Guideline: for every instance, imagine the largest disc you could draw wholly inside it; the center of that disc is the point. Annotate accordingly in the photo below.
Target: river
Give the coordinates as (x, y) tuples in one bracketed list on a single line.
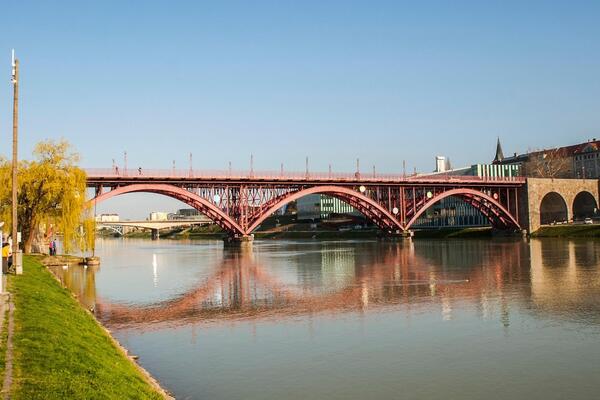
[(421, 319)]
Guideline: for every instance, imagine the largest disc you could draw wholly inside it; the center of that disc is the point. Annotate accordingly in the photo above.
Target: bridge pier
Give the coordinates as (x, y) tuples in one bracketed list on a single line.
[(155, 234), (398, 235), (244, 240)]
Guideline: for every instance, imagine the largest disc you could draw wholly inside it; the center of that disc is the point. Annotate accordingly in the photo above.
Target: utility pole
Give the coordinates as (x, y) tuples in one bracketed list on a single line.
[(15, 82)]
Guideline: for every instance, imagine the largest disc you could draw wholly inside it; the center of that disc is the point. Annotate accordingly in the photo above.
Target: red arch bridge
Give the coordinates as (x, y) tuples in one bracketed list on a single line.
[(240, 201)]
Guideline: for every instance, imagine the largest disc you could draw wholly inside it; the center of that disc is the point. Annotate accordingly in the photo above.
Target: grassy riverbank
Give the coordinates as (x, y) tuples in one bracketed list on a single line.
[(60, 351), (303, 231), (568, 231), (457, 233)]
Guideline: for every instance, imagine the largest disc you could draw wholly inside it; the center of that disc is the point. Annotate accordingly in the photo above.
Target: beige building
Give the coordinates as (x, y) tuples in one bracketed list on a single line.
[(576, 161)]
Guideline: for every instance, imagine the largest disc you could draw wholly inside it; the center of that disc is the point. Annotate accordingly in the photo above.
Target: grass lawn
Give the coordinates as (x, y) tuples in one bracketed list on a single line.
[(60, 351), (570, 231)]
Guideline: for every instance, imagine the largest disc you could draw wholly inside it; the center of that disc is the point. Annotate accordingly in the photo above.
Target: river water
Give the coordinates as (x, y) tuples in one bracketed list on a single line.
[(421, 319)]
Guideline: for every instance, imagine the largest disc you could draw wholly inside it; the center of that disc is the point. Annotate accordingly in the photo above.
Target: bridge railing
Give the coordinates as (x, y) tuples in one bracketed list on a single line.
[(143, 174)]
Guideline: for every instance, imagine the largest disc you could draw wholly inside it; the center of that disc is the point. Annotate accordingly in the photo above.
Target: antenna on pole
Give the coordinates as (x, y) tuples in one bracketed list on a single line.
[(191, 168), (14, 67)]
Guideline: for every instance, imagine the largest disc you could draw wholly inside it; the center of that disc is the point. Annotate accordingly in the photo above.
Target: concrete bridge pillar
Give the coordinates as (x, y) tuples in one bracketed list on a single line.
[(155, 234), (239, 240)]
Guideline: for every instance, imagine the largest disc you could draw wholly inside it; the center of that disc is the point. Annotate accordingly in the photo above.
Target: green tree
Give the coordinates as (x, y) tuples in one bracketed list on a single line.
[(51, 195)]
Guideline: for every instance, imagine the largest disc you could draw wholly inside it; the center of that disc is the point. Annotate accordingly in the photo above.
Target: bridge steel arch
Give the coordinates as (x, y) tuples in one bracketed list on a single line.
[(209, 209), (497, 214), (366, 205)]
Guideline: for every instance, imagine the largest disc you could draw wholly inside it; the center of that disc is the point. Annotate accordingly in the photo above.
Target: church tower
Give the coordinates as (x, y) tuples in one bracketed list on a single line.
[(499, 154)]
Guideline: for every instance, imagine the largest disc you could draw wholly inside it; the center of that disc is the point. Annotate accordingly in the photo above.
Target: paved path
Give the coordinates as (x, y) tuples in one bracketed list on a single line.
[(7, 305)]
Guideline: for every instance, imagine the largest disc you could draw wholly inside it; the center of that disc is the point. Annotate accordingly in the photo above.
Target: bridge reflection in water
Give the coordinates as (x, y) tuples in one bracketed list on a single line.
[(339, 277)]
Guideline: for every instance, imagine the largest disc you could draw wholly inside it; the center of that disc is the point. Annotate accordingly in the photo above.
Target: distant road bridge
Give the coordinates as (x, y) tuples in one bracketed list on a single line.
[(155, 226), (240, 201)]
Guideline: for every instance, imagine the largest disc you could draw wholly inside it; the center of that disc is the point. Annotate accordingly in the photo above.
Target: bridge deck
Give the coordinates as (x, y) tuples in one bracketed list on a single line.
[(112, 176)]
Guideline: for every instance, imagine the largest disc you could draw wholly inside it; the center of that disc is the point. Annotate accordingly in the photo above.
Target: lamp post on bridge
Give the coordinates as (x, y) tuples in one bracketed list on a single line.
[(307, 174)]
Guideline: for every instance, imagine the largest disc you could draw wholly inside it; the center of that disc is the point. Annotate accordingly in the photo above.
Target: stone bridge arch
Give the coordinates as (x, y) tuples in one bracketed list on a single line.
[(553, 208), (584, 206), (570, 190)]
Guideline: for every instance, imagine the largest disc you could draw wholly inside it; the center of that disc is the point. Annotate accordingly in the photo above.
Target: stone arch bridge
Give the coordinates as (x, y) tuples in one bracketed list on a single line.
[(549, 201)]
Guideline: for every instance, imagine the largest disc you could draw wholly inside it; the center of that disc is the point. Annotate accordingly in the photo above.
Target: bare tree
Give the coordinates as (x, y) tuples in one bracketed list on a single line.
[(548, 164)]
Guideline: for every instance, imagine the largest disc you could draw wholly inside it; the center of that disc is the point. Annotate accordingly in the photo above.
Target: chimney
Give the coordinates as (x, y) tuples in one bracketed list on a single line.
[(440, 164)]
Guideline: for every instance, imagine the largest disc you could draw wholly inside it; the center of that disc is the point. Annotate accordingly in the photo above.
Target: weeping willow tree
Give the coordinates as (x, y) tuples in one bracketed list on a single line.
[(51, 197)]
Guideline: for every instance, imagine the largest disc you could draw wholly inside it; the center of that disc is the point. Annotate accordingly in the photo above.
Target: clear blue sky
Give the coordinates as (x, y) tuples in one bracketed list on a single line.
[(332, 80)]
